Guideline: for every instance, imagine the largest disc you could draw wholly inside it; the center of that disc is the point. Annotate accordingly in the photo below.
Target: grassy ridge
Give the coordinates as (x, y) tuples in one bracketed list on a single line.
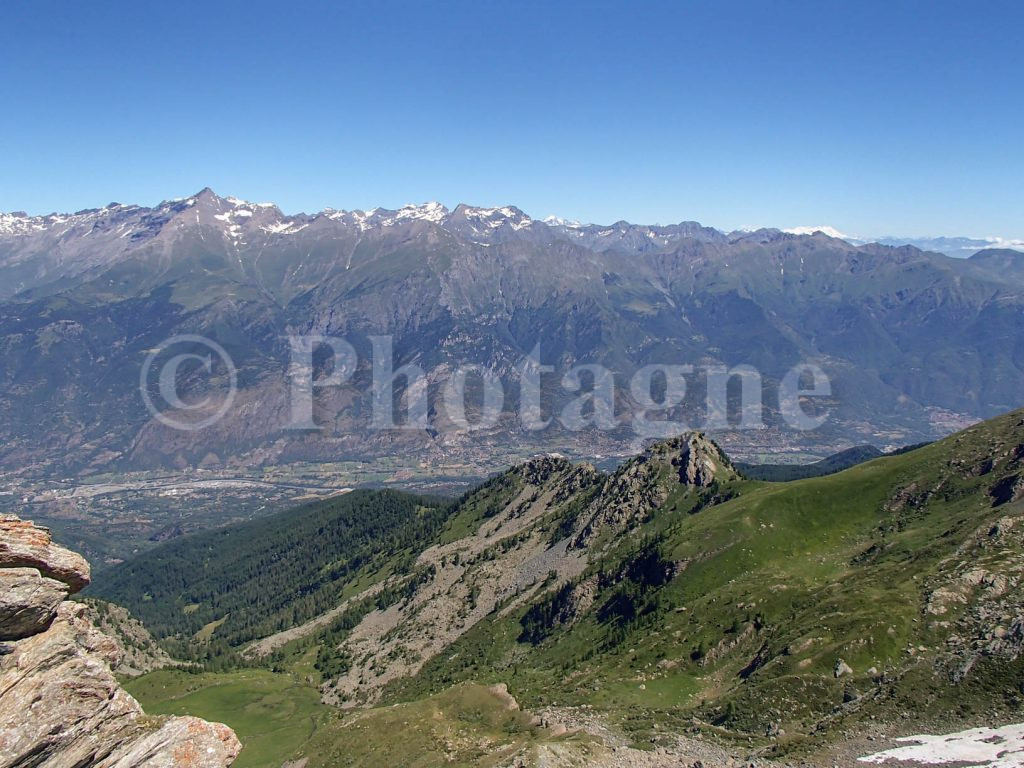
[(771, 590)]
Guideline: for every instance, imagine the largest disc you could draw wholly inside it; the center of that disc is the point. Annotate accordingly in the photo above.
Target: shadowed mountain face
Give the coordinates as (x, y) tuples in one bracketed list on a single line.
[(913, 342)]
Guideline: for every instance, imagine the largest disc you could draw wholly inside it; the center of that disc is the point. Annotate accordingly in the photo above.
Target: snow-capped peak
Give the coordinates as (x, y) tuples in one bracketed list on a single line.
[(20, 224), (483, 219), (432, 211), (824, 229), (558, 221)]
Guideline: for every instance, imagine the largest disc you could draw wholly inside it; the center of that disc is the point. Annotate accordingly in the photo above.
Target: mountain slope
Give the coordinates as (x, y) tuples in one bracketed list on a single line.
[(675, 592), (888, 582), (88, 296), (249, 580)]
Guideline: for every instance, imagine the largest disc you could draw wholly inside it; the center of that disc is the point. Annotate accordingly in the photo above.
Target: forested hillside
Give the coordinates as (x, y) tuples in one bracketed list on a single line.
[(784, 473), (249, 580)]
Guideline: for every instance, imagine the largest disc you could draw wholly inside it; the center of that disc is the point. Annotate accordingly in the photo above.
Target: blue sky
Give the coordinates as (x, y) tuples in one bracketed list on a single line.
[(878, 118)]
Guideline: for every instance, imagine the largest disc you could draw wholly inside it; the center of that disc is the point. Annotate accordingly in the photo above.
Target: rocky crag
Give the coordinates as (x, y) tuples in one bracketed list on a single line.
[(536, 528), (60, 704)]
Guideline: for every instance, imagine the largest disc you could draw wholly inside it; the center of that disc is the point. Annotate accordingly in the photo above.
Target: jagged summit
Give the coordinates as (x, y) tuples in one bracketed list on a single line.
[(699, 460), (691, 459), (488, 220)]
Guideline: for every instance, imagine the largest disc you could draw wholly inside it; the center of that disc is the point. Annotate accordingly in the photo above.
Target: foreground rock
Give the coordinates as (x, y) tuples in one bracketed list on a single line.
[(25, 544), (60, 705), (28, 602)]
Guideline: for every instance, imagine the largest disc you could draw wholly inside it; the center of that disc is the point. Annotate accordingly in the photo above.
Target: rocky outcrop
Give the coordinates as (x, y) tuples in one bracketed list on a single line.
[(699, 460), (692, 460), (60, 704), (28, 602), (25, 544), (1008, 489)]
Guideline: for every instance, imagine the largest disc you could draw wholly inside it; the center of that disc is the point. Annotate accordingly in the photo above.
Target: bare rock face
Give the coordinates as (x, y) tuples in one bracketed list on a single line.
[(60, 705), (182, 741), (25, 544), (692, 460), (699, 461), (28, 602)]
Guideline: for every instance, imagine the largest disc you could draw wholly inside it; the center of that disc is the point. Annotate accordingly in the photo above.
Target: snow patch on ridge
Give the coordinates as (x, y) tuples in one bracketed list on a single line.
[(982, 747), (284, 228), (433, 212), (824, 229), (558, 221), (22, 224)]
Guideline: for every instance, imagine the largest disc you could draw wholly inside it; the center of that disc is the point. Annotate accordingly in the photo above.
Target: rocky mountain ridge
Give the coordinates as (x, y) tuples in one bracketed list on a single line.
[(85, 298), (60, 704), (132, 221), (541, 525)]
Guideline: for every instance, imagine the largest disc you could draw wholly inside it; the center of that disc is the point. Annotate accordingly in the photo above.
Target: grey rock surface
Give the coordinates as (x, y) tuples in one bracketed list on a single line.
[(25, 544), (28, 602), (60, 704)]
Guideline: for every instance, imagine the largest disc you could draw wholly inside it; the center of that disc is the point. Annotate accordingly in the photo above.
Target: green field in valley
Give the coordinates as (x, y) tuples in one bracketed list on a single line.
[(273, 714)]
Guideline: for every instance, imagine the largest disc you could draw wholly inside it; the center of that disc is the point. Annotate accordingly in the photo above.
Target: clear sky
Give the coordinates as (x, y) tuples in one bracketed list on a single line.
[(877, 118)]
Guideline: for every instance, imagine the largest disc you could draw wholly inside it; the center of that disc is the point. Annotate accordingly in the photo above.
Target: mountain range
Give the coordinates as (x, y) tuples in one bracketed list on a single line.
[(915, 343)]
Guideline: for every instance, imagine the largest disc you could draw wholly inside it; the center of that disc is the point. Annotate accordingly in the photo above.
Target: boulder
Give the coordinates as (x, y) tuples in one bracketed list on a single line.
[(24, 544)]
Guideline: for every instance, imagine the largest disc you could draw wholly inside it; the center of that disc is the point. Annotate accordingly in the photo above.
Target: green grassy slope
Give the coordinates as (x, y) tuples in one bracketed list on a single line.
[(773, 612), (274, 715), (280, 718), (769, 592)]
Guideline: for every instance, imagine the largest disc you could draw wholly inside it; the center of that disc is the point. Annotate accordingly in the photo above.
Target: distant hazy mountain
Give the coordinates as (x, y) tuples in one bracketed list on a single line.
[(957, 247), (915, 343)]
